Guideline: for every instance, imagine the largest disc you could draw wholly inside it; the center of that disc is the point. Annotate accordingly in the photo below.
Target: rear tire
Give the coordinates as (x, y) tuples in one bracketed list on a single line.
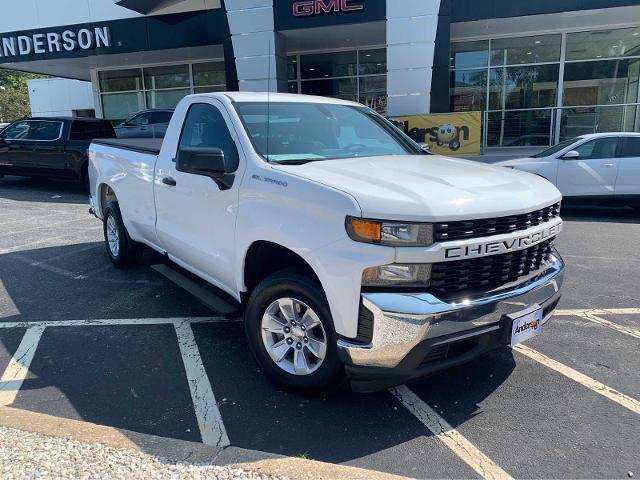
[(296, 345), (123, 252)]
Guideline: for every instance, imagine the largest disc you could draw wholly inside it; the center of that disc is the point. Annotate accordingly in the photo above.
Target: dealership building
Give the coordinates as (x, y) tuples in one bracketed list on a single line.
[(539, 71)]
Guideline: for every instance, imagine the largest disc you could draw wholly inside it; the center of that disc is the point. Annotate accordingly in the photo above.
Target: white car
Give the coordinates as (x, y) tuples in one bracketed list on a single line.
[(348, 248), (602, 166)]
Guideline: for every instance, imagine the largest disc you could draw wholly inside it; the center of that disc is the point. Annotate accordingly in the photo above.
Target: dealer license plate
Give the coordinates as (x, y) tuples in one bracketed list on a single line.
[(526, 327)]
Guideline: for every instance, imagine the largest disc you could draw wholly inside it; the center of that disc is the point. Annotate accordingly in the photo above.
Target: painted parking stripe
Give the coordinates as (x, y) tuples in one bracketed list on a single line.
[(609, 324), (593, 385), (117, 322), (18, 367), (598, 311), (209, 418), (453, 439)]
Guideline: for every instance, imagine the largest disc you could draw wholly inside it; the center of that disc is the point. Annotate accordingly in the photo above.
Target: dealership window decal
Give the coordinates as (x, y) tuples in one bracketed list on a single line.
[(308, 8), (54, 42)]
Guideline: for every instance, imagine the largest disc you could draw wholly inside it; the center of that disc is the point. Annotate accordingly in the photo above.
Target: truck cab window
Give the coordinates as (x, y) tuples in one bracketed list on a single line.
[(205, 127)]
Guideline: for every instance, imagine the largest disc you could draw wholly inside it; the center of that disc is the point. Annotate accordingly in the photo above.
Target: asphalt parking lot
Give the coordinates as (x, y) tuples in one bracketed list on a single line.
[(80, 339)]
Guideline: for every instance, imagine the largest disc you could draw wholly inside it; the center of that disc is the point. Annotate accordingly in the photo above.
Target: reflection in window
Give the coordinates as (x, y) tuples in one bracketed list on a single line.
[(120, 106), (469, 54), (344, 88), (526, 87), (468, 90), (624, 42), (600, 148), (170, 76), (601, 83), (209, 74), (576, 121), (519, 128), (372, 62), (166, 98), (514, 51), (336, 64), (120, 80)]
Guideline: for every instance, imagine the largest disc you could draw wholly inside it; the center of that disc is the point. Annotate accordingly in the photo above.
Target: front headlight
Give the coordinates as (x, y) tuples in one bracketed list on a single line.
[(393, 234), (398, 275)]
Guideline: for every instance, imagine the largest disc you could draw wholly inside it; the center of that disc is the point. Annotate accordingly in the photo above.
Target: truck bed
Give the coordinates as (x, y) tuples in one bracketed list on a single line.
[(142, 145)]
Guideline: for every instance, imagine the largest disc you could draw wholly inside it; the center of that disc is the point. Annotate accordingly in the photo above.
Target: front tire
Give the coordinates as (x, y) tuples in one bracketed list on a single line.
[(123, 252), (290, 332)]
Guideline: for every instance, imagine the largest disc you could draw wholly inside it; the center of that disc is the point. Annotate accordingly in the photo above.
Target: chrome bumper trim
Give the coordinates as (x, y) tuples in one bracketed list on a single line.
[(403, 320)]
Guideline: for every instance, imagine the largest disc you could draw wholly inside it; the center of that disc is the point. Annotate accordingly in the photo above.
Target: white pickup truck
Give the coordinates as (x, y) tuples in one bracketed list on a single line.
[(349, 249)]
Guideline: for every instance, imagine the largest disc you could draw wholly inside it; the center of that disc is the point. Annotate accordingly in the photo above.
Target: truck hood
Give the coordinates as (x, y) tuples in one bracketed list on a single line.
[(430, 188)]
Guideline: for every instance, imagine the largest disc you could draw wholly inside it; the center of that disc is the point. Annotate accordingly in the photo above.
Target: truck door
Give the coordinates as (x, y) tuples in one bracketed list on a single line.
[(12, 145), (47, 146), (195, 217)]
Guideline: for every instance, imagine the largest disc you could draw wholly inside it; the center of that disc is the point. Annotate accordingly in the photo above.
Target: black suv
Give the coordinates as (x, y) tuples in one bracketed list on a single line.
[(50, 147)]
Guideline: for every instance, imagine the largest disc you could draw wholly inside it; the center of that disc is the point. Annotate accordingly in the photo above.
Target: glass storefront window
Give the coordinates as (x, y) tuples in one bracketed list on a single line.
[(514, 51), (575, 121), (120, 106), (120, 80), (166, 98), (212, 88), (373, 92), (344, 88), (357, 75), (372, 62), (335, 64), (520, 128), (169, 76), (468, 90), (623, 42), (209, 73), (469, 54), (525, 87), (292, 68), (601, 83)]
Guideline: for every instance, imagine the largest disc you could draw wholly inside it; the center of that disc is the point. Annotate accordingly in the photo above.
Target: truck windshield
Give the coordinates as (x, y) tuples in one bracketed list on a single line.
[(307, 132)]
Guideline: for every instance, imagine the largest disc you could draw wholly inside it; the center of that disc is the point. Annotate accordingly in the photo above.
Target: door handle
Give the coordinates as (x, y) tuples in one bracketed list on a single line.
[(607, 164), (169, 181)]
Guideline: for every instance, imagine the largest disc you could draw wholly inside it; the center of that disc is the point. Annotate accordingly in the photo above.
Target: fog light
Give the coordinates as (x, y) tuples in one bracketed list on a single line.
[(398, 275)]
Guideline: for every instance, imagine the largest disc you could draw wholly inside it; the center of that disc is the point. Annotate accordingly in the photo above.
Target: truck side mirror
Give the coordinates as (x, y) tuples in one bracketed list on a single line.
[(571, 155), (208, 162)]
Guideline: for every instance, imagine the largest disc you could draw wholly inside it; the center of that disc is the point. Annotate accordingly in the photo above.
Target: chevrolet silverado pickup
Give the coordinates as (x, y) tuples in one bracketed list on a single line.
[(350, 250)]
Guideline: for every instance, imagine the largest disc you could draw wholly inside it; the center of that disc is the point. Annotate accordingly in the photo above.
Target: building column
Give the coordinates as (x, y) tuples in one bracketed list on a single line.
[(260, 53), (412, 26)]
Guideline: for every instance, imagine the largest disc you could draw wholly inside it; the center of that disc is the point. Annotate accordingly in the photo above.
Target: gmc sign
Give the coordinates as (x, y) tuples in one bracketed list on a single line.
[(308, 8)]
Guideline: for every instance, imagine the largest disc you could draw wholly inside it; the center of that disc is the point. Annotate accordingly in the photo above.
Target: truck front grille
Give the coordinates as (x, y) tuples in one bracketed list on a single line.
[(447, 231), (482, 274)]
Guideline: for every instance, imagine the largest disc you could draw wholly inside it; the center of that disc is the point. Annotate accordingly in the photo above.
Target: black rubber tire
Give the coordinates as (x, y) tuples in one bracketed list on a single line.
[(130, 252), (293, 283)]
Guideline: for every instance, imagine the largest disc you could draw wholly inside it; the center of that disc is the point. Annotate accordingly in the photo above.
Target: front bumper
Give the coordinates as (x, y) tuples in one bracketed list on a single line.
[(415, 335)]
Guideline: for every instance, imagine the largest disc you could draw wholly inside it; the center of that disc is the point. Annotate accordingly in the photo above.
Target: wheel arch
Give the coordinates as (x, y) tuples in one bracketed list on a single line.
[(263, 258), (106, 194)]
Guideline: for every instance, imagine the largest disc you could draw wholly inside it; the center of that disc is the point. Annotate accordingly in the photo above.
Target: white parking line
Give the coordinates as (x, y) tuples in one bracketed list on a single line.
[(209, 418), (609, 324), (598, 311), (9, 233), (117, 322), (593, 385), (18, 367), (44, 242), (462, 447)]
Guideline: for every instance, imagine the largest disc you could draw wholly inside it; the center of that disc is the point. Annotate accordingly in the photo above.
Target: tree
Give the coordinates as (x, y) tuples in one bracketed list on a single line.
[(14, 95)]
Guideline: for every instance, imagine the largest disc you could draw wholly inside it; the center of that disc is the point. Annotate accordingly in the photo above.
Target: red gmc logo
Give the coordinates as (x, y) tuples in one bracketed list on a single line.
[(308, 8)]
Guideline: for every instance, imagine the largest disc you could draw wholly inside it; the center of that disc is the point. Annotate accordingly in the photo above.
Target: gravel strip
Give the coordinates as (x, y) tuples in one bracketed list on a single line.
[(35, 456)]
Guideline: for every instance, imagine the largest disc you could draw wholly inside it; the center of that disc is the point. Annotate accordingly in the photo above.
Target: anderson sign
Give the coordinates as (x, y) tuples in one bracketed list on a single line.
[(53, 42)]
